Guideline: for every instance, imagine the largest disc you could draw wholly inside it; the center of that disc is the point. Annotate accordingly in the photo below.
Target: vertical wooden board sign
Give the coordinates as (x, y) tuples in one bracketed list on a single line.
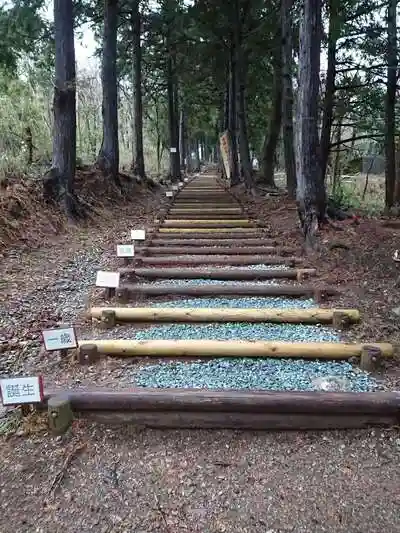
[(224, 144)]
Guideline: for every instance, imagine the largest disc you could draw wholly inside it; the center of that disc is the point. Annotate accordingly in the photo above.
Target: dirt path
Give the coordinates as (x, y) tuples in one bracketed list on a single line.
[(132, 480)]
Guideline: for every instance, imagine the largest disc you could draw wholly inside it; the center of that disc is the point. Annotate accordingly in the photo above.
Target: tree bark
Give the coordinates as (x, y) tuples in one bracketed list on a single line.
[(173, 121), (59, 182), (327, 114), (267, 165), (244, 150), (287, 96), (108, 158), (232, 123), (182, 139), (390, 119), (138, 162), (311, 198)]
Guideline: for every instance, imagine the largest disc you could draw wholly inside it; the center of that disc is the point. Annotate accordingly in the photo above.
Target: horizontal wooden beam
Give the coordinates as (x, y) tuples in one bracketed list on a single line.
[(244, 231), (240, 223), (220, 259), (210, 233), (238, 274), (217, 250), (167, 314), (237, 242), (232, 401), (238, 420), (126, 290), (215, 348)]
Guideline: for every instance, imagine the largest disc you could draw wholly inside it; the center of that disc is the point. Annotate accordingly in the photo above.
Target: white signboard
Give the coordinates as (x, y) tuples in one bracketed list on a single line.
[(185, 180), (59, 339), (180, 184), (172, 150), (169, 194), (15, 391), (175, 187), (138, 234), (109, 280), (125, 250)]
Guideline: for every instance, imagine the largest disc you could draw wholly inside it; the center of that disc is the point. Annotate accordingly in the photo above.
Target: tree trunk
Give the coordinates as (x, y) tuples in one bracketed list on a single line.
[(232, 123), (173, 123), (244, 149), (59, 182), (182, 139), (287, 97), (311, 196), (327, 116), (138, 162), (267, 164), (390, 145), (108, 158)]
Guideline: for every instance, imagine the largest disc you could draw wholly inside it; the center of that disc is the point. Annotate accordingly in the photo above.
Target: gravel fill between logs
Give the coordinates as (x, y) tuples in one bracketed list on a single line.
[(240, 303), (267, 374), (229, 331)]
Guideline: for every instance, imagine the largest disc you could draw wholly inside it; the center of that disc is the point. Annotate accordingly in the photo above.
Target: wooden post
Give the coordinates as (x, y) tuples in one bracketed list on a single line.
[(340, 320), (60, 414), (108, 319), (88, 354), (371, 358), (109, 293)]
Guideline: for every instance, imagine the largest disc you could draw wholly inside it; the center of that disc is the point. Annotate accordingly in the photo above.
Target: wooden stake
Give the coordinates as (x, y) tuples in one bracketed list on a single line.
[(60, 414)]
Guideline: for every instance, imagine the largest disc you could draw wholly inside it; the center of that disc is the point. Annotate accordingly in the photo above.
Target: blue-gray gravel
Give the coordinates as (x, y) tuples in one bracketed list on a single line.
[(238, 331), (265, 374), (240, 303)]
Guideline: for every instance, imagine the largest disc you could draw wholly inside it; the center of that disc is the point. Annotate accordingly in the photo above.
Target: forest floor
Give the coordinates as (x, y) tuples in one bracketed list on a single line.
[(123, 479)]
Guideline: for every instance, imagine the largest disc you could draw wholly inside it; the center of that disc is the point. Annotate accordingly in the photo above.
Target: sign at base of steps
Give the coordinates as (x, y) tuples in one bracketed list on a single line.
[(17, 391), (138, 234), (175, 187), (169, 194), (59, 339), (108, 280), (125, 250)]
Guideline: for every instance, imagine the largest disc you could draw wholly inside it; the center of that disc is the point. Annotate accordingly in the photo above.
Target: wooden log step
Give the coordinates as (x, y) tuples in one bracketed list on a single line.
[(220, 230), (239, 421), (198, 211), (166, 314), (231, 401), (194, 233), (130, 290), (239, 242), (239, 274), (215, 250), (195, 224), (242, 348), (221, 259), (203, 216)]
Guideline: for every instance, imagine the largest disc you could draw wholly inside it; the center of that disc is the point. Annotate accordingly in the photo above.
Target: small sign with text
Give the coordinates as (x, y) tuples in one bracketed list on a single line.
[(175, 187), (172, 150), (125, 250), (16, 391), (59, 339), (180, 184), (169, 194), (108, 280), (138, 234), (185, 180)]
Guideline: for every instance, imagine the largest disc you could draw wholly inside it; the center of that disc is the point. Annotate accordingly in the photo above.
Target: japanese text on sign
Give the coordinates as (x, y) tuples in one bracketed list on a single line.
[(125, 250), (59, 339), (172, 150), (108, 280), (138, 234), (169, 194), (175, 187), (15, 391)]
